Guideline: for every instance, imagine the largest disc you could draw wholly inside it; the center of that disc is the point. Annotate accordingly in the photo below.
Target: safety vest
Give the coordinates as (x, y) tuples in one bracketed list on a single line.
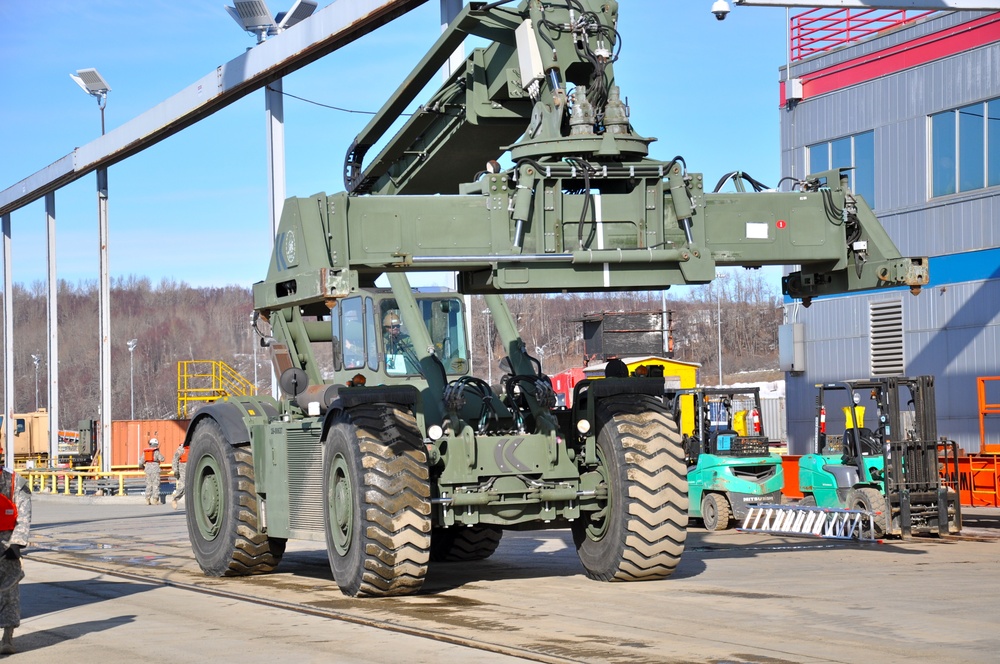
[(184, 455), (149, 455), (8, 508)]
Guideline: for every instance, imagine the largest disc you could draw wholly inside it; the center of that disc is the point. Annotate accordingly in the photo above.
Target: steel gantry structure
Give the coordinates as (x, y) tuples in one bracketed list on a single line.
[(326, 31)]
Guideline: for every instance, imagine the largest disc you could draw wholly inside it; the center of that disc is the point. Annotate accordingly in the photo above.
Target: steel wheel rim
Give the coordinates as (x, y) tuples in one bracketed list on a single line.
[(209, 498), (598, 526), (340, 505)]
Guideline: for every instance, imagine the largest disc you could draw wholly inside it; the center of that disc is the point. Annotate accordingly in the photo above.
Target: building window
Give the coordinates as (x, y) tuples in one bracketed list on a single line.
[(857, 152), (886, 328), (965, 148)]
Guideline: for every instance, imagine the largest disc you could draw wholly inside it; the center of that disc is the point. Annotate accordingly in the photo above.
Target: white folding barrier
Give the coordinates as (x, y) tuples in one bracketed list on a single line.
[(825, 522)]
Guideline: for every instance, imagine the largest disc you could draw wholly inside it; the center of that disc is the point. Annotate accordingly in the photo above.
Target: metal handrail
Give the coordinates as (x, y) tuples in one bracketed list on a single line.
[(215, 379), (820, 30)]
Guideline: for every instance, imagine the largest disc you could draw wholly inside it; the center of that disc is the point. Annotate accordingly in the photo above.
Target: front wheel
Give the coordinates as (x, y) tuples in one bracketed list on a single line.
[(377, 502), (715, 512), (872, 501), (640, 529), (222, 514)]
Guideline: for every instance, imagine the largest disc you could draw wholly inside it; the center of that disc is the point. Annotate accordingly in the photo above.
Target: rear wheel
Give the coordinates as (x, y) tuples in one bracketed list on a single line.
[(222, 516), (871, 500), (640, 529), (715, 512), (377, 502)]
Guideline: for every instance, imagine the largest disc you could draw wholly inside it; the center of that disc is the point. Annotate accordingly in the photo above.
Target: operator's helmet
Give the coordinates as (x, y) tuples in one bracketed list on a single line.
[(391, 319), (154, 442)]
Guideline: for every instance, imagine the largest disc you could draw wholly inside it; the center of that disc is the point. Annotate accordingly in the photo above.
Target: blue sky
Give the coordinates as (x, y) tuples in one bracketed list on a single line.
[(194, 207)]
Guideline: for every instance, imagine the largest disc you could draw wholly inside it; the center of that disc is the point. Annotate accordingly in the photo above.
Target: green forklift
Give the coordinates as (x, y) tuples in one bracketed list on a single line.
[(899, 472), (730, 465)]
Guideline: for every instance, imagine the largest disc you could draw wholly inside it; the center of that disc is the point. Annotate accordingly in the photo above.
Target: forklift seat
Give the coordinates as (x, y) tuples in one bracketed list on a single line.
[(846, 476), (867, 441)]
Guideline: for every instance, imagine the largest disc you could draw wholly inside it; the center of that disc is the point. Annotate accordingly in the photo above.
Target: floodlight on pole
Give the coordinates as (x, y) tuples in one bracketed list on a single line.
[(254, 16), (94, 85), (37, 359)]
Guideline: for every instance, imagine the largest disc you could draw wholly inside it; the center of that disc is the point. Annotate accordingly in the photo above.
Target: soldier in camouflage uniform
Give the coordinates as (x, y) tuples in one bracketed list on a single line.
[(179, 465), (151, 460), (14, 525)]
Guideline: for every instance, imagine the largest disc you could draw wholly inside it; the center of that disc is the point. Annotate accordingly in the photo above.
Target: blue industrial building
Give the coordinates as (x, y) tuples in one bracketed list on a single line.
[(911, 101)]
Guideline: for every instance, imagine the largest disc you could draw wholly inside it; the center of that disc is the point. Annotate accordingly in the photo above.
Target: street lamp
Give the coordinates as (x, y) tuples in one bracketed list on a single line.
[(131, 377), (94, 85), (254, 17), (37, 360)]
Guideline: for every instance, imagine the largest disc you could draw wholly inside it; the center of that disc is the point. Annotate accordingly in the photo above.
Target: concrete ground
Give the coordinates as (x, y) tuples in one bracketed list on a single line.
[(736, 597)]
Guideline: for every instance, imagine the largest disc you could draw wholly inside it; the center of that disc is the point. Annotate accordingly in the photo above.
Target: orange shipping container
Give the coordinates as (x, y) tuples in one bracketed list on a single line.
[(129, 438)]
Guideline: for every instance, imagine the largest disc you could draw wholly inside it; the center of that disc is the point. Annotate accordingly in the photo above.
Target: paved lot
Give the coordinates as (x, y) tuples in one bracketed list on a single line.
[(735, 598)]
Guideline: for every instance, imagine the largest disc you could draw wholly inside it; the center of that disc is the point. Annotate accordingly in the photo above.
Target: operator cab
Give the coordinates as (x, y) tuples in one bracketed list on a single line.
[(369, 334)]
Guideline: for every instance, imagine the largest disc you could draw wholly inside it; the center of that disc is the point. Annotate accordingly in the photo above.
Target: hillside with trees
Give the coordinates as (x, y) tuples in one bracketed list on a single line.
[(172, 322)]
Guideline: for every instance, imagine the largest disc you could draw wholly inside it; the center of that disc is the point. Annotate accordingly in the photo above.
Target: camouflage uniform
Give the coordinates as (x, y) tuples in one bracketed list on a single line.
[(152, 468), (178, 466), (11, 542)]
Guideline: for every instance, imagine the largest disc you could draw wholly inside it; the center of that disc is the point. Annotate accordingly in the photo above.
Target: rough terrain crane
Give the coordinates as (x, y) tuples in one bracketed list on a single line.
[(390, 451)]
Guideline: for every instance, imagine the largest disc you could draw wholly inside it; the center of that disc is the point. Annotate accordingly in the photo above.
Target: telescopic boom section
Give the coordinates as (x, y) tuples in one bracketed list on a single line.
[(582, 207)]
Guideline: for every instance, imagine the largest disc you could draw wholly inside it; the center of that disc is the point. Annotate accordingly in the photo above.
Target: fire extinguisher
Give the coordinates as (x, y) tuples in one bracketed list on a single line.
[(755, 421), (822, 419)]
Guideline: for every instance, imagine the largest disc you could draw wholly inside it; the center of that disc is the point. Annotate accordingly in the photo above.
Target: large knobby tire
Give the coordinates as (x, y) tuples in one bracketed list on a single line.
[(377, 502), (715, 512), (464, 543), (222, 514), (871, 500), (640, 531)]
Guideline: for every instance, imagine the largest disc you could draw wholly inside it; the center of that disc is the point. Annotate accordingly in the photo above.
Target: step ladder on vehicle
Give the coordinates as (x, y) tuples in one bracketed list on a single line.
[(811, 521)]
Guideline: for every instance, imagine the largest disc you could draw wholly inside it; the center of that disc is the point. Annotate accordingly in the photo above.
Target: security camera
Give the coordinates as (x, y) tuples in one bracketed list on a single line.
[(721, 9)]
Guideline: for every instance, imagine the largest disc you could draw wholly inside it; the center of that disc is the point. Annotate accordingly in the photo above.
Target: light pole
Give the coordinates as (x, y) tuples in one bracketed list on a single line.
[(37, 360), (131, 377), (718, 314), (94, 85)]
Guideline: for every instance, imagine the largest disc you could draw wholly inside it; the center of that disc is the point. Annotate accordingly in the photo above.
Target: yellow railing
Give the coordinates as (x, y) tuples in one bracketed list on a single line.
[(206, 381), (74, 481)]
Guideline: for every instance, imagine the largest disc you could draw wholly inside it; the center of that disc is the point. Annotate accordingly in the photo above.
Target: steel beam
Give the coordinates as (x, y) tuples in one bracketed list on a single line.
[(339, 24)]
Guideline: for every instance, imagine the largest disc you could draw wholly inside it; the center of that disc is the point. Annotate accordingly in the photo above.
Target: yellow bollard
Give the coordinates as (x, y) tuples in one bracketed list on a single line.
[(79, 485), (121, 484), (66, 484), (55, 483)]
